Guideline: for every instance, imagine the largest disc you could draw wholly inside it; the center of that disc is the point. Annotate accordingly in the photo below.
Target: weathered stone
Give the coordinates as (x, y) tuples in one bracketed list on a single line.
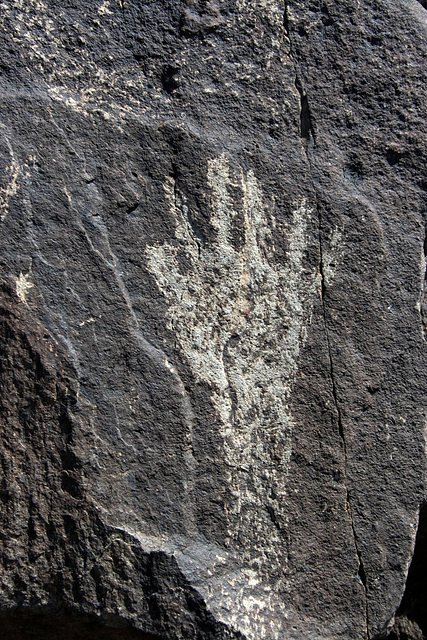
[(212, 271)]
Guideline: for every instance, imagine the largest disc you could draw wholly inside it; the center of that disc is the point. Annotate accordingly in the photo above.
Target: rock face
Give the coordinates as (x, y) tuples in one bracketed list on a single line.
[(212, 318)]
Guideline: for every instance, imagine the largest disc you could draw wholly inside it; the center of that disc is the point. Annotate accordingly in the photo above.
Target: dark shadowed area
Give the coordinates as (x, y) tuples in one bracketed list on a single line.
[(20, 625)]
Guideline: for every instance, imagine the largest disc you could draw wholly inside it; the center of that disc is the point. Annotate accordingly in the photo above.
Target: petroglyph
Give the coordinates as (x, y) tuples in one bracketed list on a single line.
[(7, 192), (15, 173), (23, 285), (72, 74), (239, 317)]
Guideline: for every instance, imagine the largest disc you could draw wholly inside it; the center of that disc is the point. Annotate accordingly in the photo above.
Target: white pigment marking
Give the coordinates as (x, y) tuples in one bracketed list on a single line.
[(23, 285), (239, 318), (7, 192)]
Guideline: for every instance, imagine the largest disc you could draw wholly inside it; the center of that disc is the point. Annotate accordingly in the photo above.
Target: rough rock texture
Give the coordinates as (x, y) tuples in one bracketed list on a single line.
[(212, 318)]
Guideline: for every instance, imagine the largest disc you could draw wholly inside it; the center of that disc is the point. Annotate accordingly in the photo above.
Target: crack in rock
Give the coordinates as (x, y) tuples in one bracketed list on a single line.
[(326, 274), (361, 569)]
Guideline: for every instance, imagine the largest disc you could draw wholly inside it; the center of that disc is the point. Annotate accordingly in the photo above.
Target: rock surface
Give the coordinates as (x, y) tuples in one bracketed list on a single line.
[(212, 270)]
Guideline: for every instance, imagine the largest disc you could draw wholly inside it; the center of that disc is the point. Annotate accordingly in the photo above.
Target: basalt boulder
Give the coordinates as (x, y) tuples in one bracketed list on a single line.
[(212, 312)]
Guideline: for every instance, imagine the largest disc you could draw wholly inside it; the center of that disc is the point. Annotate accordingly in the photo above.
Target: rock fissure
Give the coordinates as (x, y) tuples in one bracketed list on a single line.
[(306, 121), (361, 568), (411, 615), (307, 133)]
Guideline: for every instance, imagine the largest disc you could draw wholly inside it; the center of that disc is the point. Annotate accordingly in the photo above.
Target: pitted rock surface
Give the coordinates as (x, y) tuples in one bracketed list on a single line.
[(213, 318)]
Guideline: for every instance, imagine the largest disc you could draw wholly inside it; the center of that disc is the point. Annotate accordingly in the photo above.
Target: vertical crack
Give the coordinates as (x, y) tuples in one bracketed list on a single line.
[(306, 121), (307, 132), (361, 569), (286, 22)]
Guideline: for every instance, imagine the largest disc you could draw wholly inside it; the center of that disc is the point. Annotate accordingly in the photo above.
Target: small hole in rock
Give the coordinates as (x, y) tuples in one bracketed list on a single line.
[(393, 157), (170, 79)]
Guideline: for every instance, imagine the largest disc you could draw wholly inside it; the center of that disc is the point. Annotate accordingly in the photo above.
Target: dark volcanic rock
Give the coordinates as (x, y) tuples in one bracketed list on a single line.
[(212, 318)]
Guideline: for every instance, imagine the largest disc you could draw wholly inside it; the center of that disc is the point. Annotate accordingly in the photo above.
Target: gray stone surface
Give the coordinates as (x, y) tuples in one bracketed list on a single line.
[(212, 271)]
